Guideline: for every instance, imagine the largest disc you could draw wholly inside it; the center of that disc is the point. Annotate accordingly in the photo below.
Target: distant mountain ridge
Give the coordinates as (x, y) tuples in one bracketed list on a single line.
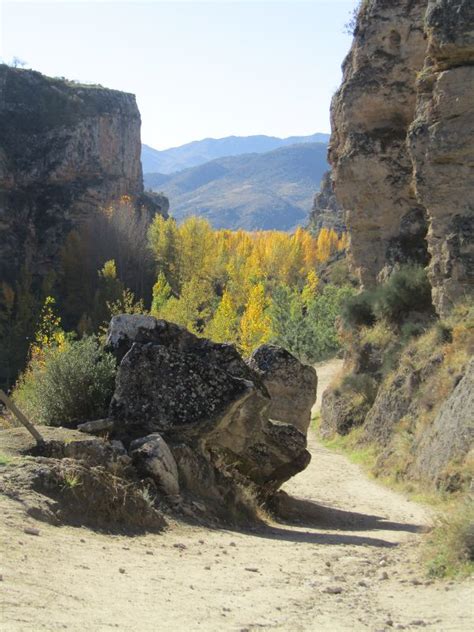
[(199, 152), (257, 191)]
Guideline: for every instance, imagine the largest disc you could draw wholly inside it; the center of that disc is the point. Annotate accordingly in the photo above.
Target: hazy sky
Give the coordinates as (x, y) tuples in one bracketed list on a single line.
[(198, 69)]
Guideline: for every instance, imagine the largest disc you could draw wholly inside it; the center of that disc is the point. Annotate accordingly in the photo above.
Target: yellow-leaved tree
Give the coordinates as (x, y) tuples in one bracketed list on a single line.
[(255, 325), (223, 327), (161, 295)]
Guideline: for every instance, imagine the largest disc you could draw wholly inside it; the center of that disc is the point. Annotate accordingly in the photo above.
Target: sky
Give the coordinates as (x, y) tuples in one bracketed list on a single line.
[(198, 69)]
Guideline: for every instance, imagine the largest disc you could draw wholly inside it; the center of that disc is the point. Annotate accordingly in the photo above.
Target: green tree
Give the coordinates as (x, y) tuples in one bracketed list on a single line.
[(164, 240), (109, 291), (161, 295), (193, 308)]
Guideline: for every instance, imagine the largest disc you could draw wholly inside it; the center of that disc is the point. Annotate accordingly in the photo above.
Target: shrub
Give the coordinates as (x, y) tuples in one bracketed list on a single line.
[(451, 543), (358, 310), (407, 290), (68, 385), (361, 384)]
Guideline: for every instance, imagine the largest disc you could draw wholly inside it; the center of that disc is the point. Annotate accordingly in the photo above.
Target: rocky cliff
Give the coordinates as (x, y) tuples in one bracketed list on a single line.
[(402, 146), (65, 150), (326, 211)]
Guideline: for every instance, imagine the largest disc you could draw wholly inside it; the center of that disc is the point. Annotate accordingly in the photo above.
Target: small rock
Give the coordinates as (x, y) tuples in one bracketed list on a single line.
[(415, 582), (180, 546), (328, 564), (333, 590), (207, 568), (362, 583), (1, 578), (97, 426), (121, 570), (383, 562), (31, 531), (82, 540), (252, 569), (384, 575), (201, 541), (150, 553), (418, 622), (400, 627), (389, 622), (232, 544)]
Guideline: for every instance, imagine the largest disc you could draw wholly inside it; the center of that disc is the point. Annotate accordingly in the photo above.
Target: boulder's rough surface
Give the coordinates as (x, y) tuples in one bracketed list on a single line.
[(451, 436), (65, 150), (202, 395), (290, 384), (402, 145), (326, 211), (152, 457)]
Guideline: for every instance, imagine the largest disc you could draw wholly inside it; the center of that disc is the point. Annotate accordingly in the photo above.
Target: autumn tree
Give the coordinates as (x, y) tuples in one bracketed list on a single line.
[(255, 323), (223, 327), (161, 295)]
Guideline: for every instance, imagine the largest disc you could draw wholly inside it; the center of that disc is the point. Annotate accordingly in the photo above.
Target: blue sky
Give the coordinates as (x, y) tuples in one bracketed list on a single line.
[(198, 69)]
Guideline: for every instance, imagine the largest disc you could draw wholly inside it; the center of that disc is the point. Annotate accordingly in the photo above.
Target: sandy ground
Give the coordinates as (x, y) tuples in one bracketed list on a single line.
[(346, 560)]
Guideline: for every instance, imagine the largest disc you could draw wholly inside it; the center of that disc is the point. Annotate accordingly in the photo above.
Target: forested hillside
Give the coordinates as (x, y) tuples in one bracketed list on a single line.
[(272, 190)]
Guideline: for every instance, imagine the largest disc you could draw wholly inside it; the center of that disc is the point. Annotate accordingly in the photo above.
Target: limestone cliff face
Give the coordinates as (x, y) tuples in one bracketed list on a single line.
[(402, 143), (65, 150), (326, 211), (441, 143)]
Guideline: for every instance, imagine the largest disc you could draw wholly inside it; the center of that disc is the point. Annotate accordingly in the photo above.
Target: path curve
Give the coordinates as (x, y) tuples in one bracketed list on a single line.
[(345, 560)]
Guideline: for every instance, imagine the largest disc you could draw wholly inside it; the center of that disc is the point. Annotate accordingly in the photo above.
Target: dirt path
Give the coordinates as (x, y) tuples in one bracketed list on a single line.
[(346, 560)]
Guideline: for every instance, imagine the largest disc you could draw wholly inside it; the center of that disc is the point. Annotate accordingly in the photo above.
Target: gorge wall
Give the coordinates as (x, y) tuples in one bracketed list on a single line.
[(65, 150), (402, 147), (326, 211)]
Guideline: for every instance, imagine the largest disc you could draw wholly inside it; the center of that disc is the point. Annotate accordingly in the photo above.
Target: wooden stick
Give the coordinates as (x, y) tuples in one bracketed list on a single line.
[(21, 417)]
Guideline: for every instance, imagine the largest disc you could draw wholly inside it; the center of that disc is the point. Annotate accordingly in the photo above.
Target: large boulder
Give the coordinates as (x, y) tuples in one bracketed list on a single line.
[(203, 395), (291, 385)]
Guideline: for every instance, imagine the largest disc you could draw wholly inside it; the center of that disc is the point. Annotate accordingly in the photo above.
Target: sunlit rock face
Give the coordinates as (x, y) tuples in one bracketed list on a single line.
[(402, 142), (65, 150), (441, 143)]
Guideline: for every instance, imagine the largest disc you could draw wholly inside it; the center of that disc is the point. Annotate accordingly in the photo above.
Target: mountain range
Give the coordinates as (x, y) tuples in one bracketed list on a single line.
[(252, 191), (201, 151)]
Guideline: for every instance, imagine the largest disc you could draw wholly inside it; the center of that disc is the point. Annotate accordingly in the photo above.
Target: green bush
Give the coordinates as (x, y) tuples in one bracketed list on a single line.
[(358, 310), (407, 290), (69, 385)]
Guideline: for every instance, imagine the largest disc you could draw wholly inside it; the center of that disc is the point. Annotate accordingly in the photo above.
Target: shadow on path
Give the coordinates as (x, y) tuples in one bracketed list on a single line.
[(306, 513), (309, 537)]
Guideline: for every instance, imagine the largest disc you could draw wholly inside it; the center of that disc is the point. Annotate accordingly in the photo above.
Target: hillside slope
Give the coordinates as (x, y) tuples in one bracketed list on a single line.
[(254, 191), (200, 151)]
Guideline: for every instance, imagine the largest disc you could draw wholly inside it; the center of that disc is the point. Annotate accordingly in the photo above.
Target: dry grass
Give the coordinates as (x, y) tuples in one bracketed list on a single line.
[(449, 548)]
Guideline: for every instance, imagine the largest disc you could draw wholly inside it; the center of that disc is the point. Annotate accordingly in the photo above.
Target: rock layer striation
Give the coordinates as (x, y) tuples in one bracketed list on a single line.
[(402, 147), (65, 150)]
